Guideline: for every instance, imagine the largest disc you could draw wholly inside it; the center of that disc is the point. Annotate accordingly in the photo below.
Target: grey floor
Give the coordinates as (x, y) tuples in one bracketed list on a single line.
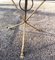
[(38, 45)]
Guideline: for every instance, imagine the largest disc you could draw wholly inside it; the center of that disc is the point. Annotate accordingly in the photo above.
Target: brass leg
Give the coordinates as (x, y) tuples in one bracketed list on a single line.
[(34, 27), (23, 42)]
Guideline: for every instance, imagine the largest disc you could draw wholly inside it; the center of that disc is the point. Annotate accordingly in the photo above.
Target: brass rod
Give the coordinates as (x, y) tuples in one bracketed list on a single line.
[(24, 29), (23, 42), (40, 30), (15, 4), (34, 11)]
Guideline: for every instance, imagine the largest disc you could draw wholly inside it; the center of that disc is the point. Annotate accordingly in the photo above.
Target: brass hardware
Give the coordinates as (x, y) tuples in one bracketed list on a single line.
[(25, 22)]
